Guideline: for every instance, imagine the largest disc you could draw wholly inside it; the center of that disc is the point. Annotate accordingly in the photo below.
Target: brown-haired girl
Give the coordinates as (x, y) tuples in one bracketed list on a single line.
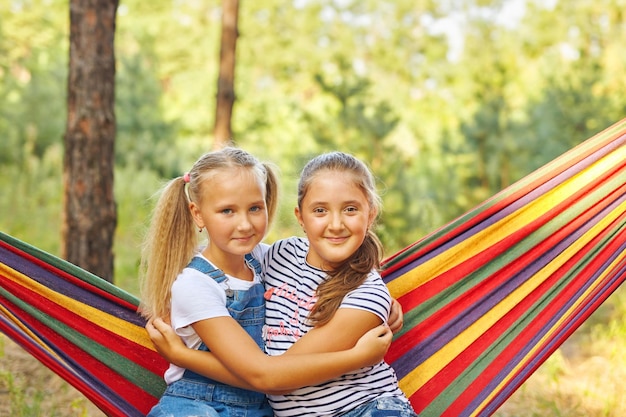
[(325, 292)]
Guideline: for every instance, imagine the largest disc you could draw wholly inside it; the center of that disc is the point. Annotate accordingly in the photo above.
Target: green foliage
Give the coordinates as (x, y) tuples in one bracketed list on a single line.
[(32, 193), (33, 68), (375, 79), (144, 137)]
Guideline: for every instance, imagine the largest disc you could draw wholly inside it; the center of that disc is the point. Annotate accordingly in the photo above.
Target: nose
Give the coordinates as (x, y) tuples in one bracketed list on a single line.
[(336, 221), (245, 223)]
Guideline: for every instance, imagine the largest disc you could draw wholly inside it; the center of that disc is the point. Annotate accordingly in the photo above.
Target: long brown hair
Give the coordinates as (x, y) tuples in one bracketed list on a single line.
[(352, 272), (172, 239)]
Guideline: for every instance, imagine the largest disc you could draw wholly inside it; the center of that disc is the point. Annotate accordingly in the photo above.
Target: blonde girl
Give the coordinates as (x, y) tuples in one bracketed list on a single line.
[(214, 298)]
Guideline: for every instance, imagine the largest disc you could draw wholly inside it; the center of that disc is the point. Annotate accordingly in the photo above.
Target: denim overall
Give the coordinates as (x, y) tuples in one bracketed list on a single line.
[(197, 395)]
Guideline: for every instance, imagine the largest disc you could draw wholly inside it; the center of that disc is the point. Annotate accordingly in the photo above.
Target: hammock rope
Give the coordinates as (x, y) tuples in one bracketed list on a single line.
[(487, 298)]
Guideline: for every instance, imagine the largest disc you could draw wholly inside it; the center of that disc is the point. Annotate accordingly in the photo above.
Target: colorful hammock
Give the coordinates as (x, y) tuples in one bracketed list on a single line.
[(81, 327), (490, 296), (486, 298)]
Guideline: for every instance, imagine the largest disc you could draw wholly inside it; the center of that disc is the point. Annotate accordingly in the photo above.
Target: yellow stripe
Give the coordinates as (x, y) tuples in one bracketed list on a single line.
[(488, 237), (531, 354), (114, 324), (18, 323), (414, 380), (11, 317)]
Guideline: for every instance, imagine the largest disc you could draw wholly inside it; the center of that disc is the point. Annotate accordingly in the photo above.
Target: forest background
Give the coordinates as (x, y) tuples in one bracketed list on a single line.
[(448, 102)]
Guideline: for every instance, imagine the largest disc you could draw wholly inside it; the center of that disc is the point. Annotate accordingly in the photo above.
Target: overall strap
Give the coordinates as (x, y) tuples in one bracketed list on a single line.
[(202, 265), (254, 263)]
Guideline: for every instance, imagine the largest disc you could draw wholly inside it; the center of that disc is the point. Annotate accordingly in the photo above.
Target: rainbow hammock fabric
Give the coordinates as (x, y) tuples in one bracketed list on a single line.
[(486, 298)]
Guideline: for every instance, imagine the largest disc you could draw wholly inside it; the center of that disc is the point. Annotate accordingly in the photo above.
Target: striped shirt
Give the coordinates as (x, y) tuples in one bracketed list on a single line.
[(290, 294)]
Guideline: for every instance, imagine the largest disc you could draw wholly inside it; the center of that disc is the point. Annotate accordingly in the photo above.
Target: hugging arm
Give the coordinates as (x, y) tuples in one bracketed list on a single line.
[(171, 347), (235, 358)]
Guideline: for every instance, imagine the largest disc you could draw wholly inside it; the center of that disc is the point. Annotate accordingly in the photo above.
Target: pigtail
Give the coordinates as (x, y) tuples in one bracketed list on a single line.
[(169, 244), (271, 192)]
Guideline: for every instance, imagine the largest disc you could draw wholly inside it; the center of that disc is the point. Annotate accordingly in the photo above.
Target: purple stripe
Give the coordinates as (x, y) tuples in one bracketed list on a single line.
[(512, 207), (78, 371), (555, 341), (561, 313), (422, 351), (57, 284)]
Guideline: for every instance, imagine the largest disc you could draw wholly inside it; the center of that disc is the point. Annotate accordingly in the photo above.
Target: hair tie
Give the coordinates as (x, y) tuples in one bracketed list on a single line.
[(186, 178)]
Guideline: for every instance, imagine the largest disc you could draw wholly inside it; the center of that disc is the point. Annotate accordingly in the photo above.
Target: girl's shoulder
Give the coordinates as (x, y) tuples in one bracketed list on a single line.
[(260, 250), (372, 287), (293, 248), (191, 282), (374, 279), (293, 241)]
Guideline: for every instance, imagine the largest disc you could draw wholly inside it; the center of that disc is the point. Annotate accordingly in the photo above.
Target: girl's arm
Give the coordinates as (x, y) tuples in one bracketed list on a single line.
[(239, 361), (341, 332), (171, 347)]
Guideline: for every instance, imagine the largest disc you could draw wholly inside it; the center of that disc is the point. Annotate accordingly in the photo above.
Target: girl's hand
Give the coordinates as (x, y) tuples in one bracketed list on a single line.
[(373, 344), (165, 340), (396, 317)]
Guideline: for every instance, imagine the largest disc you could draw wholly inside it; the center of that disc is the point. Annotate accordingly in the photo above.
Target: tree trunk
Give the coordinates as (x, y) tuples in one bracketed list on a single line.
[(89, 215), (222, 132)]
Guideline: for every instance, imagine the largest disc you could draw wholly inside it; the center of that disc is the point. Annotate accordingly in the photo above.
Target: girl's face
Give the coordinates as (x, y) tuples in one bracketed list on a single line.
[(233, 211), (335, 215)]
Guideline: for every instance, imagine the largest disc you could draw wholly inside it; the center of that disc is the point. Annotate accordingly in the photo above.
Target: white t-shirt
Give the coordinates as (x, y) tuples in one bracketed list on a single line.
[(290, 285), (196, 296)]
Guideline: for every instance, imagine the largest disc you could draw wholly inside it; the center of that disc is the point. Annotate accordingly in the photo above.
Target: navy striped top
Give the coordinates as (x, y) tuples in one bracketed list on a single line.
[(290, 294)]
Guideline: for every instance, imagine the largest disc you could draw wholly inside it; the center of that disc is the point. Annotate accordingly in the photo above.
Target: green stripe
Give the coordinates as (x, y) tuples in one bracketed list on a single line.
[(71, 269), (130, 370), (476, 369), (427, 308)]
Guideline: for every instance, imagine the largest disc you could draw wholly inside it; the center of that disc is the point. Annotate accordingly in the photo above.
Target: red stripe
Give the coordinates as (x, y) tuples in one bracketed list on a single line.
[(434, 287), (604, 293), (441, 381), (130, 393), (135, 352), (551, 311), (70, 377), (393, 263), (426, 291), (437, 384), (71, 278)]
